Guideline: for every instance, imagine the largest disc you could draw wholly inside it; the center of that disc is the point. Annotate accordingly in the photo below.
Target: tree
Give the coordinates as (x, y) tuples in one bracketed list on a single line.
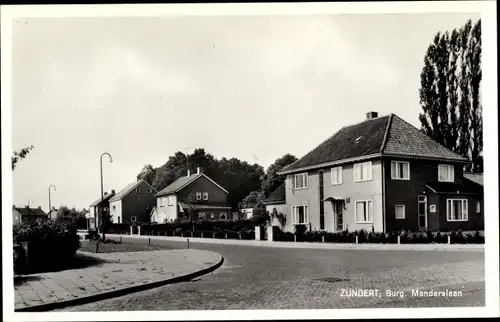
[(147, 174), (272, 180), (22, 154), (450, 92), (253, 200)]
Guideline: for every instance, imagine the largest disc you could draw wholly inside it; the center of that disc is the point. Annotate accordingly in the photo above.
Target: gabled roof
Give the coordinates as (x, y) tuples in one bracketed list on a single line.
[(277, 196), (466, 187), (475, 177), (182, 182), (381, 136), (36, 212), (128, 188), (98, 201)]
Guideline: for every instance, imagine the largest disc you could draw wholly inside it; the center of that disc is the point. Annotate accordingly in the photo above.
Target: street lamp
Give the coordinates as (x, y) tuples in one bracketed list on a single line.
[(187, 156), (101, 215), (50, 205)]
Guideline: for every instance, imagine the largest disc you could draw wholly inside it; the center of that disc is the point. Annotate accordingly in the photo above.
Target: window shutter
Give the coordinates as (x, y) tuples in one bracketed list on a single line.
[(464, 210), (339, 174)]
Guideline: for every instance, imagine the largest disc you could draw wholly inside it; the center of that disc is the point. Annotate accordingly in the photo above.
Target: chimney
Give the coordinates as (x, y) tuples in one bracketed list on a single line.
[(371, 115), (198, 170), (105, 193), (189, 173), (27, 207), (113, 191)]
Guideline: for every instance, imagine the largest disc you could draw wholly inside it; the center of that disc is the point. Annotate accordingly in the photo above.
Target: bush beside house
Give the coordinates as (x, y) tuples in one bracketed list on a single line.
[(50, 244)]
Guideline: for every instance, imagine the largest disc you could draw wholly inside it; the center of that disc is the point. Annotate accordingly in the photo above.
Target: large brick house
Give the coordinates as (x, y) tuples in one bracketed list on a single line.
[(196, 195), (382, 174), (133, 203)]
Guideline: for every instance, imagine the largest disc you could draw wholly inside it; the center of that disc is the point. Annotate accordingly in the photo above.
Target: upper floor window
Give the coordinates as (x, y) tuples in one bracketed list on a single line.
[(222, 216), (133, 219), (400, 170), (446, 173), (170, 200), (161, 201), (198, 196), (400, 211), (114, 207), (478, 207), (363, 171), (138, 190), (205, 196), (337, 175), (150, 190), (300, 181)]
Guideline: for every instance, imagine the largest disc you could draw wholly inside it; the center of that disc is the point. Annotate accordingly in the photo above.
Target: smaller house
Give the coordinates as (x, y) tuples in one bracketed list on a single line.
[(53, 213), (94, 214), (194, 195), (27, 214), (133, 203), (276, 203)]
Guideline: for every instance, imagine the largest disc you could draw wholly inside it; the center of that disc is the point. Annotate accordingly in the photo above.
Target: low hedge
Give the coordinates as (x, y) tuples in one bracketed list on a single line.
[(51, 244)]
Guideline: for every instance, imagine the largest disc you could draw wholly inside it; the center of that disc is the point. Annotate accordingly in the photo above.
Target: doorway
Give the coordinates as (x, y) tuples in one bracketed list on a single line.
[(338, 209), (422, 212)]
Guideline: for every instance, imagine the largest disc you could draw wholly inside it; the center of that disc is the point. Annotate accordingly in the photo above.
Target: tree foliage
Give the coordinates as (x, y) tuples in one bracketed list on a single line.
[(272, 180), (21, 154), (450, 92)]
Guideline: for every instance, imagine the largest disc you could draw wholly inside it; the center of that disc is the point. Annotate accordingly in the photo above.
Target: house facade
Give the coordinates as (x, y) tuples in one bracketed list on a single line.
[(196, 195), (276, 204), (133, 204), (382, 174), (99, 206), (27, 214)]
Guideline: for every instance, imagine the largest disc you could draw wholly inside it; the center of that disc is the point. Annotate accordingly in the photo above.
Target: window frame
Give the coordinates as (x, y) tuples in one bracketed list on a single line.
[(369, 171), (223, 214), (198, 196), (205, 194), (295, 216), (478, 206), (449, 209), (305, 176), (339, 172), (396, 212), (138, 190), (133, 219), (447, 166), (170, 201), (397, 168), (369, 207)]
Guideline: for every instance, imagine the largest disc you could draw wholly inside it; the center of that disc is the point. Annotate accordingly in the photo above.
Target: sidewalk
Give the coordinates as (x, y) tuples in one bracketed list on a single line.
[(117, 274), (309, 245)]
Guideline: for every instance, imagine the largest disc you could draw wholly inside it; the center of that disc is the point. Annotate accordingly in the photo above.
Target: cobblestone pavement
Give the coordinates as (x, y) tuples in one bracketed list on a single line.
[(115, 271), (277, 278)]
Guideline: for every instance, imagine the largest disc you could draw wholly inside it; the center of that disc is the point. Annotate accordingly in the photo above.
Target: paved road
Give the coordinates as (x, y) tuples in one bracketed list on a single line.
[(274, 278)]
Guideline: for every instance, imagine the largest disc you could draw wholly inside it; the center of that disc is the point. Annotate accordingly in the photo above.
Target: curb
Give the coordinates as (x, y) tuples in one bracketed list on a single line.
[(312, 245), (119, 292)]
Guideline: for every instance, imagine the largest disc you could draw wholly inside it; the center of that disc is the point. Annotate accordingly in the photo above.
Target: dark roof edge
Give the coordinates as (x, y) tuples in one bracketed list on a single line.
[(275, 202), (332, 163), (423, 157), (386, 134)]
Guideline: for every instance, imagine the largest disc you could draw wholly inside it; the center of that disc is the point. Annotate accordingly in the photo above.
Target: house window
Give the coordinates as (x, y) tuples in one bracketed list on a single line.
[(162, 201), (364, 211), (300, 181), (446, 173), (205, 196), (363, 171), (150, 190), (201, 215), (119, 219), (198, 196), (133, 219), (337, 175), (478, 207), (147, 206), (300, 215), (400, 170), (170, 200), (114, 207), (222, 216), (400, 211), (212, 216), (456, 210), (138, 190)]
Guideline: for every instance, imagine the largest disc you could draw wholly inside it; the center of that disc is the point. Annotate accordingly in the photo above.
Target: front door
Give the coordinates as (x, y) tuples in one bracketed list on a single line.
[(422, 212), (339, 220)]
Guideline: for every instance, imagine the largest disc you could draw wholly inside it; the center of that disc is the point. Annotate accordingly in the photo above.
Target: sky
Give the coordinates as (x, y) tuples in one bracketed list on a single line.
[(250, 87)]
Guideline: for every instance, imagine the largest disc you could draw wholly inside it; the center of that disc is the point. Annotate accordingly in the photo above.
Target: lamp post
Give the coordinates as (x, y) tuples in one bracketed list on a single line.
[(50, 204), (101, 214), (185, 150)]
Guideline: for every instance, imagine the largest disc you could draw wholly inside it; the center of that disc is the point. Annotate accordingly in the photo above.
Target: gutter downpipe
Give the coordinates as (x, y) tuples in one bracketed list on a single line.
[(383, 196)]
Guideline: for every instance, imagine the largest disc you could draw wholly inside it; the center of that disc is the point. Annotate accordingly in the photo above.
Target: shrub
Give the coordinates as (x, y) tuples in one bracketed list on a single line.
[(52, 243), (300, 230)]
